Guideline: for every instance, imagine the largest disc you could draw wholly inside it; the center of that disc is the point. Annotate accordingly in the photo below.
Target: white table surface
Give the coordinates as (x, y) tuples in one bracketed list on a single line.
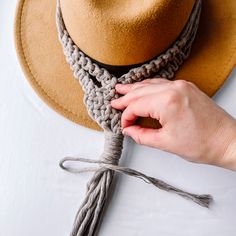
[(38, 198)]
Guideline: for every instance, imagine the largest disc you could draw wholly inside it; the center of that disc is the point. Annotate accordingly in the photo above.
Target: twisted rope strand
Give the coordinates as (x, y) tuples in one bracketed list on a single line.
[(131, 172), (99, 89)]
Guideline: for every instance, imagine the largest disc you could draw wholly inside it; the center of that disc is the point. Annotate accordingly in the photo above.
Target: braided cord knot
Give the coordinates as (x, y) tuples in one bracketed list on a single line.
[(113, 146)]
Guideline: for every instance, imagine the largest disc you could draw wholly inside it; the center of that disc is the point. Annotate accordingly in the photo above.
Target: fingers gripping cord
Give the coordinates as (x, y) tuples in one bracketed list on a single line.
[(99, 89)]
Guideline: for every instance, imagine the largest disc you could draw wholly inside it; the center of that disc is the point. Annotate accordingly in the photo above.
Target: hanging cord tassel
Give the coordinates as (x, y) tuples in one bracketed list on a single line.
[(90, 212)]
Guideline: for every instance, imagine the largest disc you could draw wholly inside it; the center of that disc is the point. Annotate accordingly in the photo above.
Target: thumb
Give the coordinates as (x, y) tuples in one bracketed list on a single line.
[(145, 136)]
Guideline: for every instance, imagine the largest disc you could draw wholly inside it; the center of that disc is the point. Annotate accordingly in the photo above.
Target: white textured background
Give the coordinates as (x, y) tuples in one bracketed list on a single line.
[(38, 198)]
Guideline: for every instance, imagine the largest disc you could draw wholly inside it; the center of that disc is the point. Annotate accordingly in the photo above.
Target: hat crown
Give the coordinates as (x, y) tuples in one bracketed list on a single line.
[(125, 32), (121, 7)]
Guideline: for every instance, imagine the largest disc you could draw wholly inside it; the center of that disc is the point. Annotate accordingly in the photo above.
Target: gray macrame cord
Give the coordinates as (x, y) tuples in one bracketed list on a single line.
[(97, 98)]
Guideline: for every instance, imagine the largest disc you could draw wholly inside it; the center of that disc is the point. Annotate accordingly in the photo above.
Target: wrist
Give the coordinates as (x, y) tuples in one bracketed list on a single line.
[(227, 159)]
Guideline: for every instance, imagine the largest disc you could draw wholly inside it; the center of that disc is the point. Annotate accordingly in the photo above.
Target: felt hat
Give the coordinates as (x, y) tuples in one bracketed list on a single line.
[(120, 35), (106, 42)]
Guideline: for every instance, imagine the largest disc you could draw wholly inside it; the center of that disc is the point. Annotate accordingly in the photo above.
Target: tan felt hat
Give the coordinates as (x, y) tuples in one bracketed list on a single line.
[(120, 34)]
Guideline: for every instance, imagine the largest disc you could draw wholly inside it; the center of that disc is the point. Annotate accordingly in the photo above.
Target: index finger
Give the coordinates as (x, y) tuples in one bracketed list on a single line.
[(125, 88), (142, 107)]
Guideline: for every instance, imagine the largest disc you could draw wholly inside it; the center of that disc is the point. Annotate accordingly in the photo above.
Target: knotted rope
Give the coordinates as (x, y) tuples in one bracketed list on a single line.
[(99, 89)]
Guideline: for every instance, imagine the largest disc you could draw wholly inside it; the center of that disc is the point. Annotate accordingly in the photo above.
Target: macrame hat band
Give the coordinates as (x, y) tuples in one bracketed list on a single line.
[(42, 60), (99, 89), (99, 85)]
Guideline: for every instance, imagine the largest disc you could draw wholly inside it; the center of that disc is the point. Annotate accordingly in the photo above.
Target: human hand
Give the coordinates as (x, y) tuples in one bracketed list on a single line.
[(193, 126)]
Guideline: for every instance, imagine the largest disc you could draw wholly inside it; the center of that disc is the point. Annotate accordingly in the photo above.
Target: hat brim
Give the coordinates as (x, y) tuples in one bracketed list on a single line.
[(40, 54)]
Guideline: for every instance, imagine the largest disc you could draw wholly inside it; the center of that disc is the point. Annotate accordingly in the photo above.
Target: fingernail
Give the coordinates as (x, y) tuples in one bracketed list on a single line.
[(113, 101), (117, 86), (125, 132)]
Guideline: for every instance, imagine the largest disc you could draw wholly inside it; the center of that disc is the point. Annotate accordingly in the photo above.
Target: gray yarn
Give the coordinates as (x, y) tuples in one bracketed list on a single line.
[(99, 89)]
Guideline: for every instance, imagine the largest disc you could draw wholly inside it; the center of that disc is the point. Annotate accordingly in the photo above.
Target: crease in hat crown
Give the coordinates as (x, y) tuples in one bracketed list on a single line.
[(125, 32)]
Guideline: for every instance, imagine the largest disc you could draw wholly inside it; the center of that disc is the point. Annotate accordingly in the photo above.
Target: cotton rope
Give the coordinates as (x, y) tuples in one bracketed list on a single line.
[(99, 89)]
